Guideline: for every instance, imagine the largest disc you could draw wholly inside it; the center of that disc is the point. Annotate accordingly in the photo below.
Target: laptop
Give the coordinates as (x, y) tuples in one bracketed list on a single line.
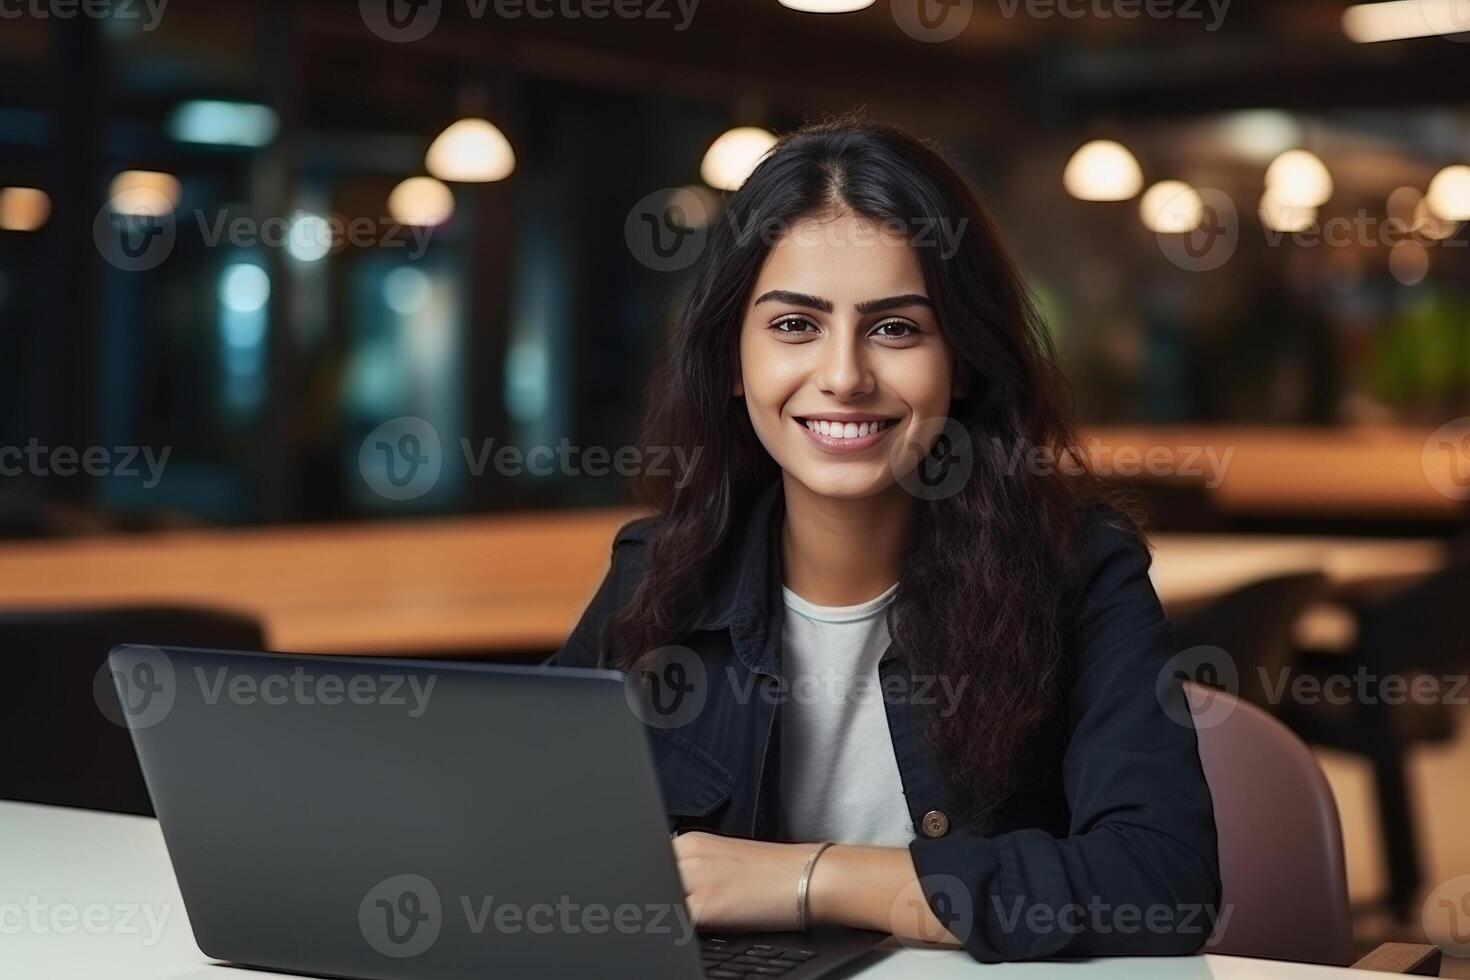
[(386, 819)]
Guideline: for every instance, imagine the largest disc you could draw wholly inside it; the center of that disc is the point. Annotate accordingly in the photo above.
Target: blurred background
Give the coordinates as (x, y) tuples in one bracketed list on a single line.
[(338, 316)]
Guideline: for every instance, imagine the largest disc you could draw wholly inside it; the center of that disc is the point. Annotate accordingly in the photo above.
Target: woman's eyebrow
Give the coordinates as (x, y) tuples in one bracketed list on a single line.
[(825, 305)]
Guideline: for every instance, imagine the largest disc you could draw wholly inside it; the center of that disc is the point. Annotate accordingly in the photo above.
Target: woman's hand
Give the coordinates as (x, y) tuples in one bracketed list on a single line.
[(750, 885), (737, 884)]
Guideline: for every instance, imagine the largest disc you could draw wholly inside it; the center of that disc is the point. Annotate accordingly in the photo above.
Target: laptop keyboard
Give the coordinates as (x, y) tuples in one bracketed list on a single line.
[(724, 959)]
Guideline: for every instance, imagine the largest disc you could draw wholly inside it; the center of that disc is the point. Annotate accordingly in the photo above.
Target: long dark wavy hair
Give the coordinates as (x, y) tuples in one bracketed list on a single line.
[(988, 579)]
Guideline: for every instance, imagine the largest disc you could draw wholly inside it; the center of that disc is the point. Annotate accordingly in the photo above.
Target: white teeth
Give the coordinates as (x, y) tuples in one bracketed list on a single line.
[(849, 430)]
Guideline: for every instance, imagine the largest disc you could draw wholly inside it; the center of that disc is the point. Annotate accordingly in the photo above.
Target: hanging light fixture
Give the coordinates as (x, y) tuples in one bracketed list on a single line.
[(733, 155), (471, 150), (1171, 207), (422, 202), (1298, 179), (23, 208), (1449, 193), (144, 193), (827, 6), (1102, 170), (1278, 215)]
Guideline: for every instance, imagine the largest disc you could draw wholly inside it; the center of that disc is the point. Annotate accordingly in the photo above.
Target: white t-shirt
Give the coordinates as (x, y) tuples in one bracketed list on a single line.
[(839, 776)]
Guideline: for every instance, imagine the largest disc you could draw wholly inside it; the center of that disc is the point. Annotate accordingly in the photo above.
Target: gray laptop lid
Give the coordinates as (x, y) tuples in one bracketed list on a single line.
[(388, 818)]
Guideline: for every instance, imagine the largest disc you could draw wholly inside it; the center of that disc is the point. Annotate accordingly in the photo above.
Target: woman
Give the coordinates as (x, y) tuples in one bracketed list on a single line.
[(902, 666)]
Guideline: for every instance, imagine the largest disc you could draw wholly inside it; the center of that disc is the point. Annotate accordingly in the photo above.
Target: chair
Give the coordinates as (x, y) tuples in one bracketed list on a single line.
[(1282, 869), (1283, 873), (56, 745)]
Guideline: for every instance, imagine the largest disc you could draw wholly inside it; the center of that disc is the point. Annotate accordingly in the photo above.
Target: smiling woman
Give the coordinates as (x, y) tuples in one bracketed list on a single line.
[(856, 390)]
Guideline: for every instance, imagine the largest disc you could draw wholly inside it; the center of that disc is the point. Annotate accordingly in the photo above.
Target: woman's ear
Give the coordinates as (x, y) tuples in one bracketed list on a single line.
[(739, 391)]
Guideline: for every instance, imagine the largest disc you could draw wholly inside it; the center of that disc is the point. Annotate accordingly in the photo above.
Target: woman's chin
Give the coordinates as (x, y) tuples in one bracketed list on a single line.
[(840, 481)]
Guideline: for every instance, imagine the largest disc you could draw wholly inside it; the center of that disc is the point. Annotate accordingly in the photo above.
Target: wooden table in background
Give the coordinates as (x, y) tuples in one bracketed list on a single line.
[(509, 582)]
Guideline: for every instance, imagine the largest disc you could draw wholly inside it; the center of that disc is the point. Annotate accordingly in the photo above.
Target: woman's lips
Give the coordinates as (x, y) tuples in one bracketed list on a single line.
[(838, 445)]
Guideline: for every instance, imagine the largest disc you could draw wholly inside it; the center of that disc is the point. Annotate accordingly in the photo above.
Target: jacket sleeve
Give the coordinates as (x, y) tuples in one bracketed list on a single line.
[(583, 647), (1138, 873)]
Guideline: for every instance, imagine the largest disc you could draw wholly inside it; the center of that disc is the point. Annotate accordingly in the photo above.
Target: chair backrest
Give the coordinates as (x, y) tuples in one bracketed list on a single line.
[(1255, 624), (56, 744), (1282, 870)]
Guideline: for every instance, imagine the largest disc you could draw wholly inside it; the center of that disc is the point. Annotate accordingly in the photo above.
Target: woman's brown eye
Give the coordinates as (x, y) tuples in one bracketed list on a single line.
[(791, 325), (895, 330)]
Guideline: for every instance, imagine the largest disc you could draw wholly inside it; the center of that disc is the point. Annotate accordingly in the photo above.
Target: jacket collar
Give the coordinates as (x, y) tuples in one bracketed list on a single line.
[(744, 592)]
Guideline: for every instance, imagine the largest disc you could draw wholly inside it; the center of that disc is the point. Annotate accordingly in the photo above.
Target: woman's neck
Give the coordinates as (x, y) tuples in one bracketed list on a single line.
[(840, 552)]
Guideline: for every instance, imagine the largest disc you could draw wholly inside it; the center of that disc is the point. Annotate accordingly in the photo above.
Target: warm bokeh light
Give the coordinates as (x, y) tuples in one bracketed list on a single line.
[(827, 6), (1396, 20), (421, 201), (144, 193), (1102, 170), (1408, 262), (1171, 207), (732, 156), (1297, 179), (1277, 215), (471, 151), (1260, 135), (1449, 193), (23, 208), (1430, 226)]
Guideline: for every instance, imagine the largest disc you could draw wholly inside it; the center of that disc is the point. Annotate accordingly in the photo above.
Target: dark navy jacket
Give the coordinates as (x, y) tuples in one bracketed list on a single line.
[(1106, 848)]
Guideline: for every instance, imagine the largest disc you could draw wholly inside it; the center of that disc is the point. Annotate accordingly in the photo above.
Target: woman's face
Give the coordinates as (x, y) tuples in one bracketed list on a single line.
[(842, 365)]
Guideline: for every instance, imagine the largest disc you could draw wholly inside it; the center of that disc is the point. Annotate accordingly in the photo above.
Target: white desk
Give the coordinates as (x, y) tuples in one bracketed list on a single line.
[(64, 868)]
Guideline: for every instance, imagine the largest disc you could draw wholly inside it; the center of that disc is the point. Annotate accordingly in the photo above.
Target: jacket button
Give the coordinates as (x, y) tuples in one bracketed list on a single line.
[(934, 824)]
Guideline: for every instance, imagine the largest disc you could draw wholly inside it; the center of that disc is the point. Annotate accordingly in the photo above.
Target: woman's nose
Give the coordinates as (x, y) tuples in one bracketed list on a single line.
[(844, 371)]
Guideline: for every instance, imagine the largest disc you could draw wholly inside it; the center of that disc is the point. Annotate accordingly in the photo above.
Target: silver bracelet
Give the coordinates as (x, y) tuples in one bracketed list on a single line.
[(805, 883)]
